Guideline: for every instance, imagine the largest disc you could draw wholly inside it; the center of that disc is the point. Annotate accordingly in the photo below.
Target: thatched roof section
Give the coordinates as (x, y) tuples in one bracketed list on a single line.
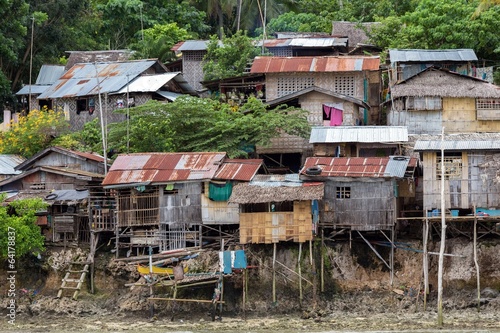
[(355, 32), (443, 83), (245, 193)]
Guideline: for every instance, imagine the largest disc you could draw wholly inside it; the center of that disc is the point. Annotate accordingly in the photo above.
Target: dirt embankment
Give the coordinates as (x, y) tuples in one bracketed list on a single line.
[(355, 290)]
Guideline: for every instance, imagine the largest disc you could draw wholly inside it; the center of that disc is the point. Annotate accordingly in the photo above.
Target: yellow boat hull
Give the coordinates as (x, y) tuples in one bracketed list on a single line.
[(144, 270)]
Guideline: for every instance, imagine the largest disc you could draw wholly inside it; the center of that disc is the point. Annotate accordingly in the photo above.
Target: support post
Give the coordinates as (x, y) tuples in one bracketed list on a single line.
[(323, 260), (476, 263), (392, 255), (300, 274), (425, 261), (274, 273)]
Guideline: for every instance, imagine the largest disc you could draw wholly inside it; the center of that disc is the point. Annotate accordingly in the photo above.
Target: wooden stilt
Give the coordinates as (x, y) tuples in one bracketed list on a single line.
[(300, 274), (392, 256), (477, 264), (315, 278), (244, 276), (323, 252), (425, 261), (274, 273)]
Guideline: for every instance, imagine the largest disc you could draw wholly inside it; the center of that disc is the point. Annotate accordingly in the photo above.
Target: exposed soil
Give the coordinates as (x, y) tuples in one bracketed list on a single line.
[(358, 293)]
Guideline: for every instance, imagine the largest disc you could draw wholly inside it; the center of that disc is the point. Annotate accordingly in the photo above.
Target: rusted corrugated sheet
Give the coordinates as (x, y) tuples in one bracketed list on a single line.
[(347, 166), (163, 167), (89, 79), (243, 170), (314, 64)]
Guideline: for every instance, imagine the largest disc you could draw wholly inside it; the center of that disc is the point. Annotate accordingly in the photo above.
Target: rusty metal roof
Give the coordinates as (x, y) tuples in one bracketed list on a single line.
[(238, 169), (163, 167), (314, 64), (377, 167), (348, 166), (86, 79)]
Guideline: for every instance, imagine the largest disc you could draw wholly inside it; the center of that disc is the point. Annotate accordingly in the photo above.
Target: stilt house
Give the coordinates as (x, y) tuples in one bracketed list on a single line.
[(275, 208), (163, 199), (361, 193)]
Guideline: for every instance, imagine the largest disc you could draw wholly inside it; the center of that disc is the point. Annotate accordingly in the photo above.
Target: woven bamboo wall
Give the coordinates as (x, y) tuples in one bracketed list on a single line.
[(274, 227)]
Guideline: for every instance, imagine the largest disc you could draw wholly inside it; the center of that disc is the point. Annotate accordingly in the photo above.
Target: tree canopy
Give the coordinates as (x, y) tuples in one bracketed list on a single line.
[(33, 132), (230, 57), (18, 230), (195, 125)]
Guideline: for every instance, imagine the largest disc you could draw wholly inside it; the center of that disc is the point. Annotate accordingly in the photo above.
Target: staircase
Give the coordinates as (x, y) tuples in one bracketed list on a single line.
[(77, 271)]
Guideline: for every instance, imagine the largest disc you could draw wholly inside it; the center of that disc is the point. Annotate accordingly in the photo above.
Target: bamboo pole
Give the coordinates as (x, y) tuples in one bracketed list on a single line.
[(315, 280), (443, 239), (323, 260), (476, 263), (244, 276), (426, 261), (300, 274), (274, 273)]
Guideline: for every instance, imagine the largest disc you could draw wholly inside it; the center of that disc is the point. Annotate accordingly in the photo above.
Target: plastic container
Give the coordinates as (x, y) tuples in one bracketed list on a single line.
[(454, 212)]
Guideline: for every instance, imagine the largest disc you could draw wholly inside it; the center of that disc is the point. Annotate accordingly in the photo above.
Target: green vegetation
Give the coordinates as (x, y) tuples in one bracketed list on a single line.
[(192, 124), (33, 132), (19, 234)]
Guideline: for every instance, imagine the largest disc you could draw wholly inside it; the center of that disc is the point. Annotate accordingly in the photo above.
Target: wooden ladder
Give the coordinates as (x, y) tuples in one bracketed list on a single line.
[(72, 282), (69, 282)]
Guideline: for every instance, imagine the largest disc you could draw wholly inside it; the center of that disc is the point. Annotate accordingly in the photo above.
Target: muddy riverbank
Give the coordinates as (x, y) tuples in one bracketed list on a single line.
[(355, 291)]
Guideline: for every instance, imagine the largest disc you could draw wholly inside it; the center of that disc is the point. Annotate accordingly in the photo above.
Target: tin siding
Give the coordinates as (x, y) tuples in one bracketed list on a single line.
[(183, 207)]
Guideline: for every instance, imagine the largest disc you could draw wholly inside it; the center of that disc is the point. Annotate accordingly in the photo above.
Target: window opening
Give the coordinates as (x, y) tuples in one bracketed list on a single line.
[(343, 192)]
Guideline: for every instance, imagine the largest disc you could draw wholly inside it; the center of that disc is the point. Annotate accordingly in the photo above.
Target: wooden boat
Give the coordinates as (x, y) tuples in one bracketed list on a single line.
[(144, 270)]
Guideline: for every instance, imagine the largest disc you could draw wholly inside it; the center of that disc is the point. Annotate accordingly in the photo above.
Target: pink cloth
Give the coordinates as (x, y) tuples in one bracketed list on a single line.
[(334, 114)]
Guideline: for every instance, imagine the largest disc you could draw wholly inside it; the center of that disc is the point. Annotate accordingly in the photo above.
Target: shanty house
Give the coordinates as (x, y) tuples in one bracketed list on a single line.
[(108, 86), (435, 99), (335, 90), (361, 193), (358, 141), (406, 63), (62, 178), (163, 199), (192, 54), (275, 208), (471, 172), (46, 77), (300, 44)]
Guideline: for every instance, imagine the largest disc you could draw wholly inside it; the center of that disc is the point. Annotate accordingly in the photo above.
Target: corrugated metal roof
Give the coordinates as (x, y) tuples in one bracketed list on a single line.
[(414, 55), (348, 166), (397, 166), (93, 78), (148, 83), (193, 45), (314, 64), (366, 134), (171, 96), (238, 169), (287, 180), (435, 145), (374, 167), (8, 164), (304, 42), (29, 162), (49, 74), (35, 90), (163, 167)]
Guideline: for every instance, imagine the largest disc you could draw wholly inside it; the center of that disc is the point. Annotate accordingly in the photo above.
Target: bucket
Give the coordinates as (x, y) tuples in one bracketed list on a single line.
[(435, 212)]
